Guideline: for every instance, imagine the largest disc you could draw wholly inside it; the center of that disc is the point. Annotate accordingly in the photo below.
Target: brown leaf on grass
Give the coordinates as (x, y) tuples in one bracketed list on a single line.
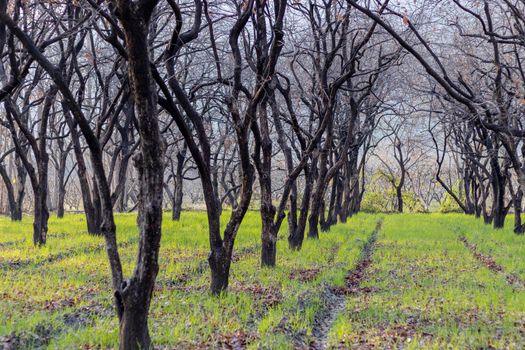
[(305, 275), (52, 305), (270, 296), (353, 290), (385, 337), (235, 341), (230, 341)]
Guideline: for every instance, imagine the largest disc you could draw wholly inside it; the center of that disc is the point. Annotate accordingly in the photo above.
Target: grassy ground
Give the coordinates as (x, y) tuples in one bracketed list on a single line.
[(425, 289), (416, 286), (59, 296)]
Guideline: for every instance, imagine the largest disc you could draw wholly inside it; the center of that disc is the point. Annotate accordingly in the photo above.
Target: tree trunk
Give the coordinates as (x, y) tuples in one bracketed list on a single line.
[(296, 237), (268, 239), (136, 296), (178, 185), (134, 323), (264, 167), (326, 224), (499, 219), (498, 204), (61, 186), (292, 213), (220, 269), (41, 216), (40, 196), (14, 213), (92, 219), (176, 208), (318, 198), (338, 205), (519, 228), (315, 211), (399, 197), (468, 198), (60, 204), (20, 187), (487, 218), (97, 203)]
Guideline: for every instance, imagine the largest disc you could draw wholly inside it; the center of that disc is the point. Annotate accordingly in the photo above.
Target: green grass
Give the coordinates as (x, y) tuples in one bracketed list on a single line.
[(59, 296), (423, 289), (428, 291), (507, 248)]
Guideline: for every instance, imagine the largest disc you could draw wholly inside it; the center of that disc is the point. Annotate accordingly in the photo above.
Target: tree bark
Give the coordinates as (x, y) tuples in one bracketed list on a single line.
[(14, 212), (92, 219), (137, 293), (399, 198), (178, 185), (296, 237), (61, 186)]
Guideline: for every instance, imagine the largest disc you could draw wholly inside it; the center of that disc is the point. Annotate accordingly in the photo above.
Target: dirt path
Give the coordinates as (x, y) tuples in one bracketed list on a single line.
[(335, 297), (491, 264)]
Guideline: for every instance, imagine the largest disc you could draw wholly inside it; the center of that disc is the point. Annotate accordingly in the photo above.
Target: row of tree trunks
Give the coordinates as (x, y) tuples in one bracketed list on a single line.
[(15, 189)]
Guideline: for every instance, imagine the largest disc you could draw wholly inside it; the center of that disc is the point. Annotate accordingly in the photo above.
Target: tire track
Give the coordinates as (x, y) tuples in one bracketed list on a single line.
[(335, 297), (491, 264)]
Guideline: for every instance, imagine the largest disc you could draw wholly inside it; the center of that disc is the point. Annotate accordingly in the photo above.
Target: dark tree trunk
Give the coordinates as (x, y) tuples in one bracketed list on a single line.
[(41, 216), (318, 197), (323, 223), (16, 191), (97, 201), (14, 212), (499, 218), (60, 204), (134, 323), (261, 131), (38, 175), (61, 185), (315, 207), (476, 193), (315, 212), (222, 247), (327, 223), (92, 217), (264, 164), (519, 228), (41, 185), (338, 205), (121, 194), (268, 236), (347, 200), (467, 180), (176, 207), (499, 211), (292, 213), (296, 237), (358, 191), (20, 186), (137, 293), (178, 185), (219, 261), (517, 196), (399, 198)]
